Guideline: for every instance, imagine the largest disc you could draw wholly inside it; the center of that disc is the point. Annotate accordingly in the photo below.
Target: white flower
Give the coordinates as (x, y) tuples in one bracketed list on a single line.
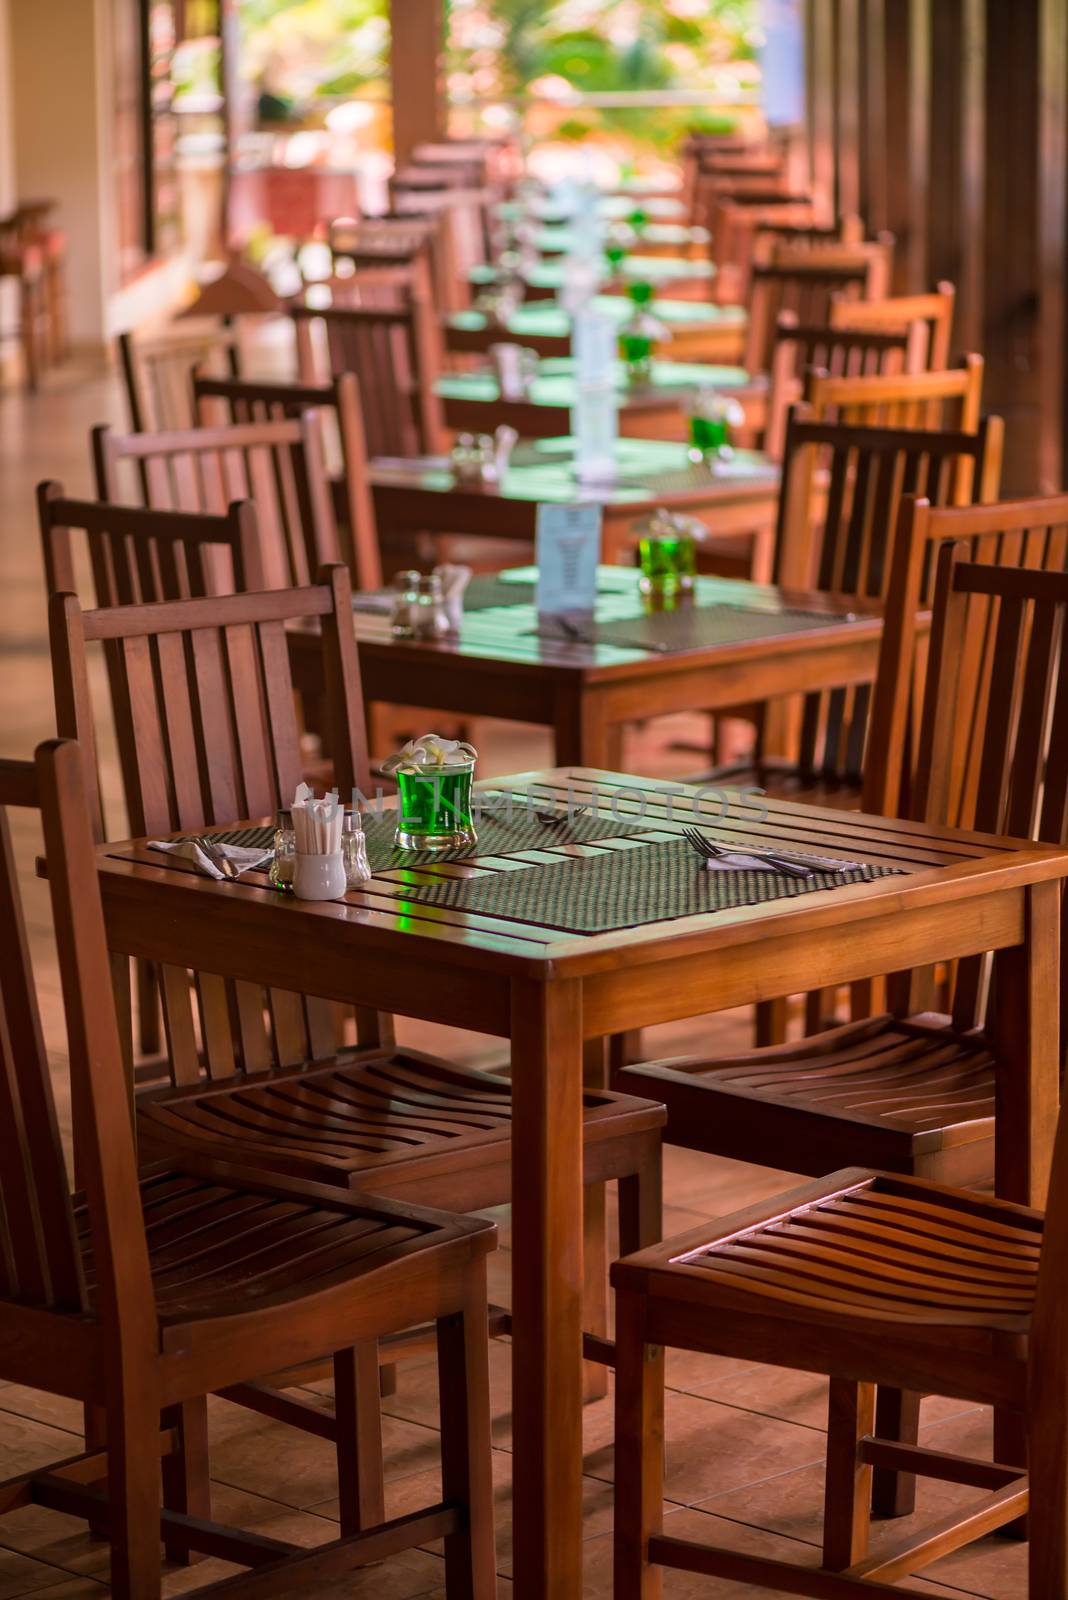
[(430, 750)]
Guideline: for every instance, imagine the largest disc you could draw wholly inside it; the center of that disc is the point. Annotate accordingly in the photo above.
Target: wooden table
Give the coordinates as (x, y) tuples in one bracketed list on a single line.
[(473, 400), (655, 239), (699, 332), (610, 208), (500, 665), (548, 990), (423, 495), (546, 279)]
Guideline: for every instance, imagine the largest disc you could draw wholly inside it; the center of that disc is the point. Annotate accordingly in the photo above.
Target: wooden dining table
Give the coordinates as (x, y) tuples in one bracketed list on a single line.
[(556, 943), (424, 494), (651, 239), (731, 642), (610, 208), (696, 330), (653, 408), (543, 280)]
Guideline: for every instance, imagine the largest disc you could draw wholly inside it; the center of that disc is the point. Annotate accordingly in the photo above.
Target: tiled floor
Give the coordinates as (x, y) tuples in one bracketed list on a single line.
[(745, 1443)]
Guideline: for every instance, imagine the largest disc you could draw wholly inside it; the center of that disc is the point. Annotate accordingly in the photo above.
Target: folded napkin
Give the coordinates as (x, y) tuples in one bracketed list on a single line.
[(737, 861), (242, 857)]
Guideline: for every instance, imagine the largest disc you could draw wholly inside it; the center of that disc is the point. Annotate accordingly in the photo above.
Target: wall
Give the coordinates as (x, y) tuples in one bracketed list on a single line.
[(8, 298), (60, 55)]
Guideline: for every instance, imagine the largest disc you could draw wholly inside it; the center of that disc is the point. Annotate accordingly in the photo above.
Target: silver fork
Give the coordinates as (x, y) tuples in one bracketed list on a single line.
[(216, 857), (556, 819), (713, 852)]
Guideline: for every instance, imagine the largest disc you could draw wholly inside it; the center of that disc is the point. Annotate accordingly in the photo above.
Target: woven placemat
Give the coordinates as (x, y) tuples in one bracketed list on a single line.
[(625, 889), (500, 833)]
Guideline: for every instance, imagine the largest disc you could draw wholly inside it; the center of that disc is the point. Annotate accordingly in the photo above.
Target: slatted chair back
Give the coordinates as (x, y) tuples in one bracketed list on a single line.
[(391, 354), (137, 556), (43, 1262), (734, 231), (803, 285), (1030, 534), (207, 732), (1018, 712), (40, 1262), (900, 311), (464, 228), (950, 399), (840, 352), (243, 401), (157, 368), (281, 466), (842, 486)]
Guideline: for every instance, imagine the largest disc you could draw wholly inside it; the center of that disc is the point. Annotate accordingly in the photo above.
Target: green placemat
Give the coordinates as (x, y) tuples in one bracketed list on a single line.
[(625, 889)]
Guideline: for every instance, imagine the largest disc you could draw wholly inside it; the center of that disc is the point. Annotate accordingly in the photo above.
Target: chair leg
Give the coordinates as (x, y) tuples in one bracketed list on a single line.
[(148, 1031), (186, 1475), (639, 1497), (641, 1202), (133, 1497), (1011, 1446), (897, 1417), (466, 1449), (360, 1470), (1047, 1552), (771, 1022), (847, 1505), (595, 1285)]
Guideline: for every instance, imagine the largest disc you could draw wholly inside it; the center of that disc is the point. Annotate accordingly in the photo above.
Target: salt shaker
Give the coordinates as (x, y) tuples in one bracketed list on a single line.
[(405, 599), (280, 872), (354, 850), (429, 618)]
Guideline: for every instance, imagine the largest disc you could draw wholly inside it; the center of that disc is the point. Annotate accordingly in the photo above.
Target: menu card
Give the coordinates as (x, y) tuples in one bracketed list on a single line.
[(567, 547)]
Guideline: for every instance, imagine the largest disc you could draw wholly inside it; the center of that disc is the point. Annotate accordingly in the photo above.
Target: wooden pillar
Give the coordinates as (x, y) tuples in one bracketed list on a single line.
[(1011, 336), (417, 34), (885, 179), (1052, 251), (849, 91), (821, 98)]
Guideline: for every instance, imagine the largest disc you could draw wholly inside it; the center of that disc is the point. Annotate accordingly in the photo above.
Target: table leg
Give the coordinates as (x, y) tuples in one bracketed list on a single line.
[(547, 1282), (1026, 1029), (595, 1239), (582, 736)]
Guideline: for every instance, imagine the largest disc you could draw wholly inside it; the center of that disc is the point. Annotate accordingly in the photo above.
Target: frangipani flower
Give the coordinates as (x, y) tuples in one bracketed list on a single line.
[(430, 752)]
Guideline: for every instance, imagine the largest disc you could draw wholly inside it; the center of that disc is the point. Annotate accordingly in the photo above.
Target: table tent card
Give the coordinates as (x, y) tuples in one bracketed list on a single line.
[(567, 548), (595, 414)]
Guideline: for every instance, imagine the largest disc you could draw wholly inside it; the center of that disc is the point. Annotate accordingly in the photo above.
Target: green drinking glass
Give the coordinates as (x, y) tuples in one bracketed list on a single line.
[(668, 562), (435, 808), (636, 353), (708, 435)]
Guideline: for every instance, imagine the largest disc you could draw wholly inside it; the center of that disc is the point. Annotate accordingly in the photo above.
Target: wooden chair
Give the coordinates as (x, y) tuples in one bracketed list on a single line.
[(840, 352), (139, 556), (157, 369), (245, 401), (950, 399), (878, 1280), (842, 486), (804, 286), (23, 260), (281, 466), (392, 353), (900, 311), (97, 1303), (209, 735)]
